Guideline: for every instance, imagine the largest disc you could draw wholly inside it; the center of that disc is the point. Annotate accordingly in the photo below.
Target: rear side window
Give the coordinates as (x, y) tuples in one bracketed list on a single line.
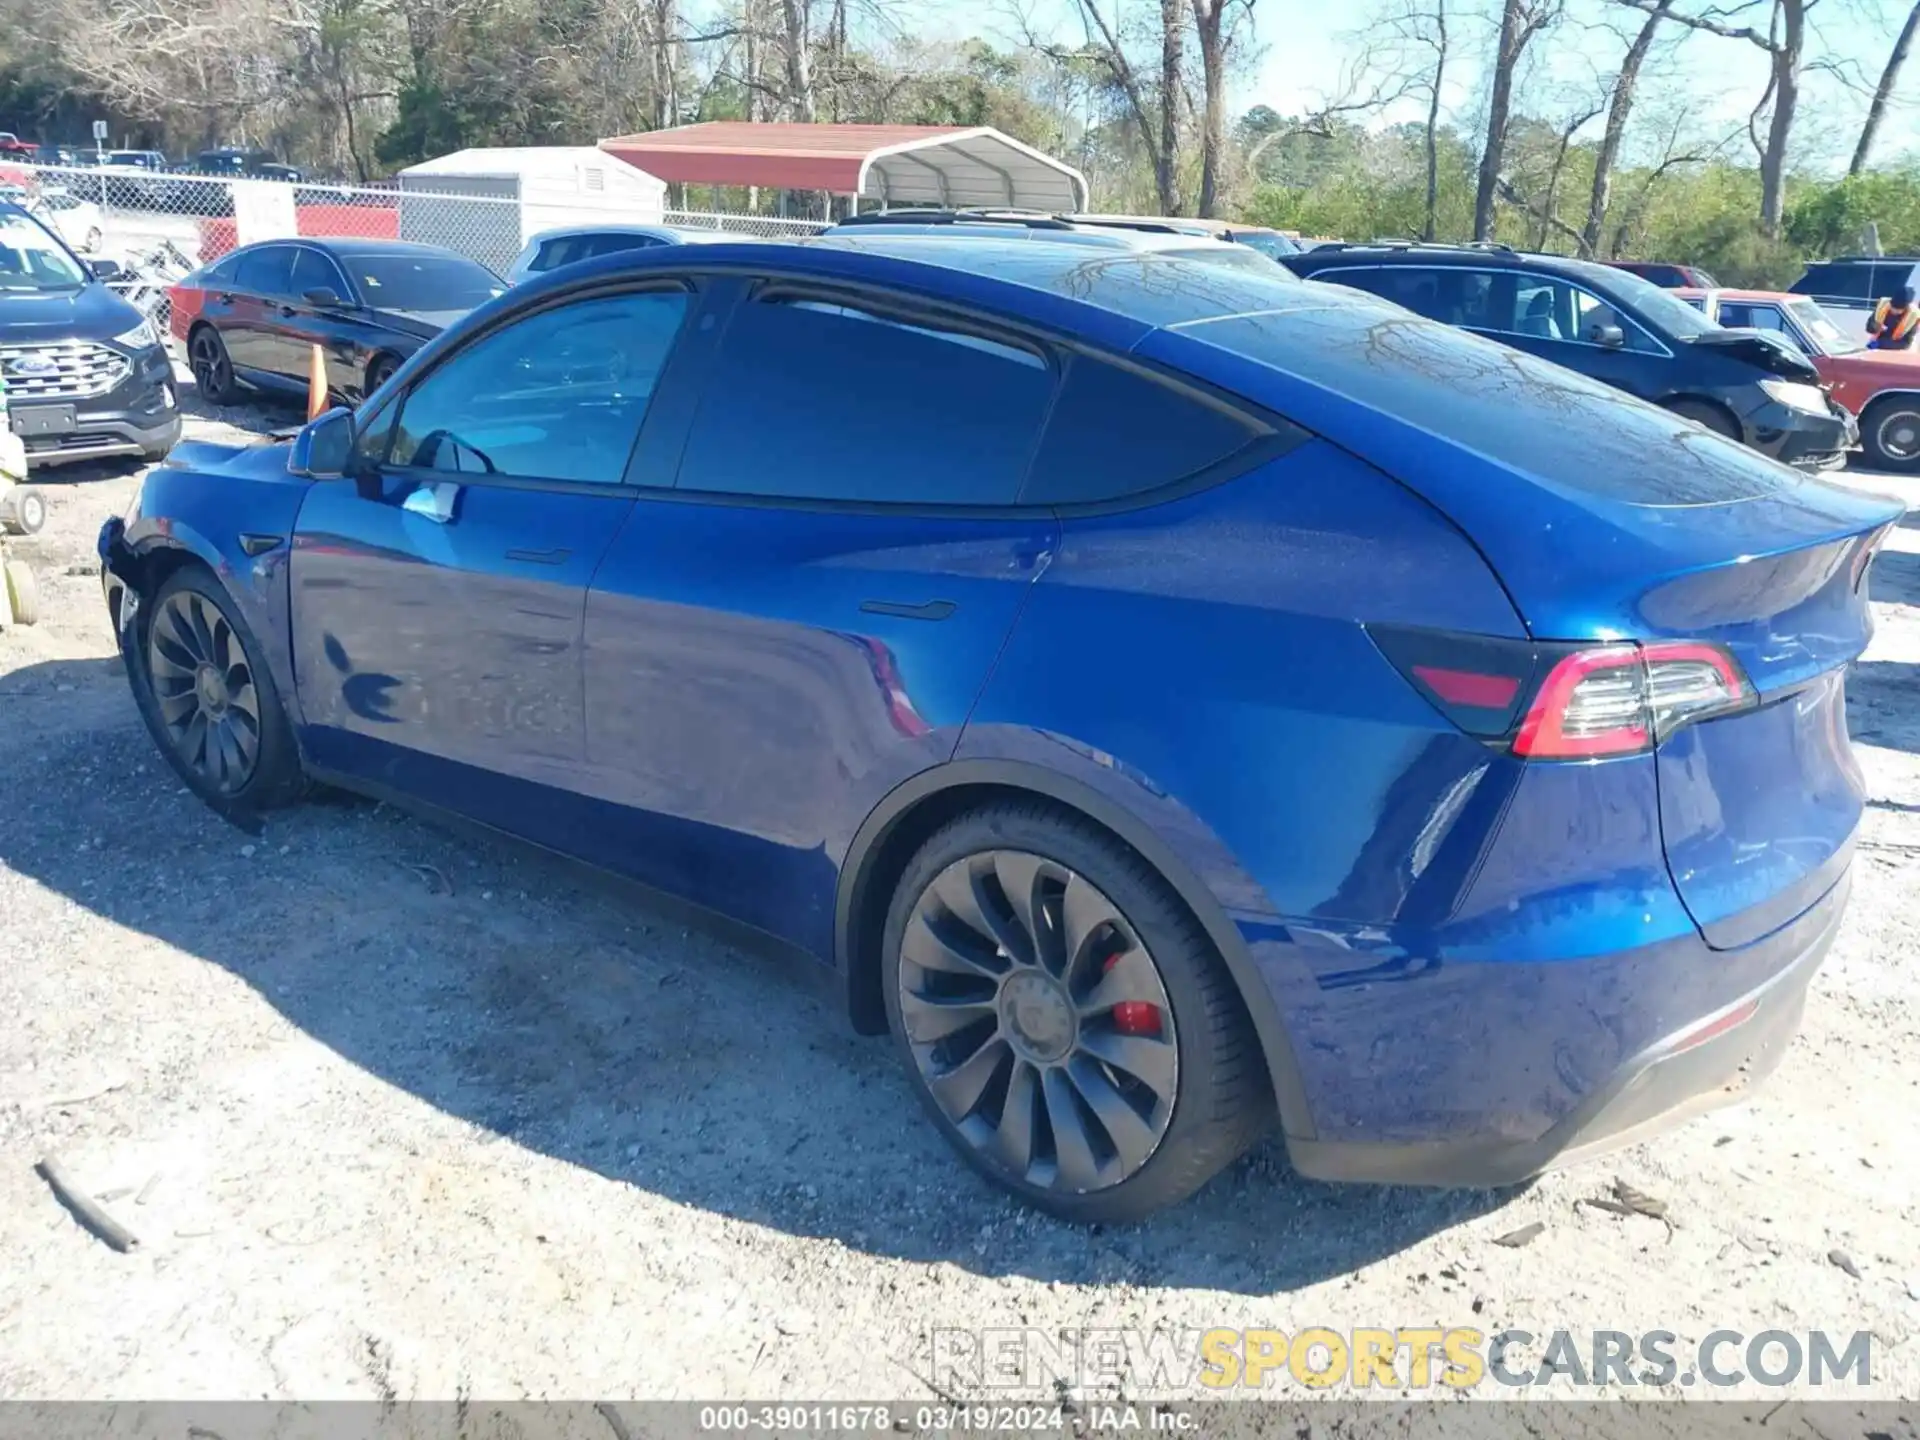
[(615, 243), (1116, 432), (813, 399), (268, 270), (1889, 278), (1853, 282)]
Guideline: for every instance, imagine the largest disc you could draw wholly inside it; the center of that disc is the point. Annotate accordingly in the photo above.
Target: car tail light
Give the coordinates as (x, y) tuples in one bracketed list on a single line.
[(1620, 699), (1548, 701)]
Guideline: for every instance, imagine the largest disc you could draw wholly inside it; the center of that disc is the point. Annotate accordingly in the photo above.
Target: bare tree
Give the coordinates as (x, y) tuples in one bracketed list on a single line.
[(799, 45), (1520, 22), (1619, 111), (1785, 44), (1166, 165), (1210, 24), (1156, 118), (1889, 77)]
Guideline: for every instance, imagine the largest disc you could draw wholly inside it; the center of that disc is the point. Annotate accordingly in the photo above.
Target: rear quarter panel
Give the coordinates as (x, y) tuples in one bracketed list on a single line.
[(1202, 664)]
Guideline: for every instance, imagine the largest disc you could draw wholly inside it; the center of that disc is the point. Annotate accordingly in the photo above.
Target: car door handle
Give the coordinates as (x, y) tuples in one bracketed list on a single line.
[(540, 557), (932, 610), (288, 310)]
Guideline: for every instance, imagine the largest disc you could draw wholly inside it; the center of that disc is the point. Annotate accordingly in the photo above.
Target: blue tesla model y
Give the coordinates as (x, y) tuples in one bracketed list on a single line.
[(1168, 697)]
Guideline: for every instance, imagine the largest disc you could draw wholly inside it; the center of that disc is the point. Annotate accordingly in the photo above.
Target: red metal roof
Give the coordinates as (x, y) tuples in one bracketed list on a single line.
[(946, 164)]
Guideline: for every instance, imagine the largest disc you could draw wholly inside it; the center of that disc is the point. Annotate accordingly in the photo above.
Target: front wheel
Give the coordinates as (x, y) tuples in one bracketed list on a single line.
[(1890, 433), (209, 703), (1709, 417), (1066, 1022)]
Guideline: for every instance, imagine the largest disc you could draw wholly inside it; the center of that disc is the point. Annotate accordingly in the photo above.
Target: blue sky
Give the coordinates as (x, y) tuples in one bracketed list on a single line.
[(1303, 45)]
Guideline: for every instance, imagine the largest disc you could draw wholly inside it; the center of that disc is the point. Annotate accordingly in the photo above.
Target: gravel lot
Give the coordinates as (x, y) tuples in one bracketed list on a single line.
[(399, 1113)]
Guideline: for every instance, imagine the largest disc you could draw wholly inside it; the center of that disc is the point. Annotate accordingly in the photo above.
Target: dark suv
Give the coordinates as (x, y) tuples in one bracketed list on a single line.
[(1849, 285), (1614, 327)]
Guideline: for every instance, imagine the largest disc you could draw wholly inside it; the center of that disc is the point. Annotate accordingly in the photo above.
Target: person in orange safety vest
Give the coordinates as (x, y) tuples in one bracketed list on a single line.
[(1895, 322)]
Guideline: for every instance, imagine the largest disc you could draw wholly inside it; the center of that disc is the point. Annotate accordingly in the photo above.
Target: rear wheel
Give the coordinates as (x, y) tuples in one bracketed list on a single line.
[(211, 706), (1890, 433), (212, 367), (1707, 416), (1066, 1022)]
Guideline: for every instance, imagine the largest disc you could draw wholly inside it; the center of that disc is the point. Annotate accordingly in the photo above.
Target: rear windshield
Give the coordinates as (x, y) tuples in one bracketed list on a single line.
[(1565, 431), (403, 280)]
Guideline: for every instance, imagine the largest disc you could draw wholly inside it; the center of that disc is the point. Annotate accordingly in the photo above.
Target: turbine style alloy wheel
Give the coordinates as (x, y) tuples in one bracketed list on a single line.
[(1038, 1021), (204, 691)]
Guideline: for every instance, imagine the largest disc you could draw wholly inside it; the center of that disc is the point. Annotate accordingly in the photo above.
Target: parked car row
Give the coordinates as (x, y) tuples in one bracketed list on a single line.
[(1172, 698), (1612, 326)]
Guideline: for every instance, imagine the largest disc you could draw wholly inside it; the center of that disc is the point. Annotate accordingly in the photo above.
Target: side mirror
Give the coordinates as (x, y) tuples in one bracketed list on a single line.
[(322, 299), (105, 269), (1611, 336), (321, 451)]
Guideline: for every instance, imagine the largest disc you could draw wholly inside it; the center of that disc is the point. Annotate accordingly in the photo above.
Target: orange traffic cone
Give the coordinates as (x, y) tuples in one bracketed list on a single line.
[(317, 384)]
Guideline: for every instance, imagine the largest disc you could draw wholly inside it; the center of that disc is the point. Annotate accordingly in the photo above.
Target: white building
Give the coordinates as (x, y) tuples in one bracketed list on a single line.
[(487, 203)]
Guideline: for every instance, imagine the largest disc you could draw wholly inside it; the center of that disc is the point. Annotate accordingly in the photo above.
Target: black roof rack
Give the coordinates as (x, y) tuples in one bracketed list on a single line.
[(1388, 242), (1032, 219)]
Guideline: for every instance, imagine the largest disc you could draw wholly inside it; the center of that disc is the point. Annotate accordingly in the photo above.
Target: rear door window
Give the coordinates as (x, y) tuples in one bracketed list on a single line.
[(268, 270), (1116, 431), (816, 398)]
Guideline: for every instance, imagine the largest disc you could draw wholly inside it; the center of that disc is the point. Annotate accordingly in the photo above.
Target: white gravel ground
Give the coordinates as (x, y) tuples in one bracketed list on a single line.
[(528, 1139)]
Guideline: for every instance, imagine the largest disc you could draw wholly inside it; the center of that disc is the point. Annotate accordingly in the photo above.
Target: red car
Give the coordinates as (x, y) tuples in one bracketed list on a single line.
[(1881, 387), (12, 146), (1667, 277)]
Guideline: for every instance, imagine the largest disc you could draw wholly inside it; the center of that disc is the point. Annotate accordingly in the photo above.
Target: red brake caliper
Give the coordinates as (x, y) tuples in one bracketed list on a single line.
[(1133, 1017)]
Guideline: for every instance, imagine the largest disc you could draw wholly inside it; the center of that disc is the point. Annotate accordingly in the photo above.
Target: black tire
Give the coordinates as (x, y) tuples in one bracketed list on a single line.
[(1890, 434), (1706, 415), (1221, 1100), (212, 367), (272, 775)]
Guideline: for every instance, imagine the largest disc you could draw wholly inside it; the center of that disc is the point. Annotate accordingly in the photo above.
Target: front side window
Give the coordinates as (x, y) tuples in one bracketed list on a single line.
[(1745, 315), (558, 395), (815, 399), (314, 271), (1542, 307)]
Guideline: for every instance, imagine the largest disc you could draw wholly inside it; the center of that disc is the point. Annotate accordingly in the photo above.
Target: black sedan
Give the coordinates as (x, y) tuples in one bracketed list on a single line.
[(253, 317)]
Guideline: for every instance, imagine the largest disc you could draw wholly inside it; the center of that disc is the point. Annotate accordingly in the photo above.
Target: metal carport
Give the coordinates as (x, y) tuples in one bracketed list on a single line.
[(952, 165)]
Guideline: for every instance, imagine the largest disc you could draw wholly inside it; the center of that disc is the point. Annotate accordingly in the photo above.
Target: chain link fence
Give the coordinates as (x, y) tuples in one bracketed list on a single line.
[(125, 213)]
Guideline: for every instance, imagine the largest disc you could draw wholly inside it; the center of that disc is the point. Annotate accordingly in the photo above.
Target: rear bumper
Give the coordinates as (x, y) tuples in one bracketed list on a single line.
[(1711, 1061)]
